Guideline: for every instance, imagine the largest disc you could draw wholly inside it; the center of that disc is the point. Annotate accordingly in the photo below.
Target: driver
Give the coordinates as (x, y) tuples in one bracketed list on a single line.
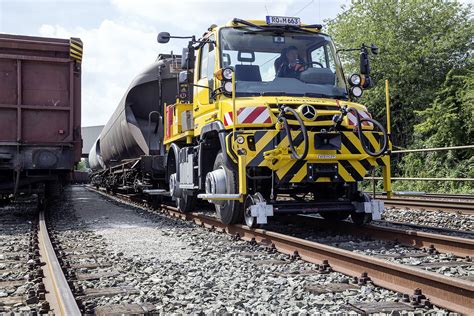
[(290, 64)]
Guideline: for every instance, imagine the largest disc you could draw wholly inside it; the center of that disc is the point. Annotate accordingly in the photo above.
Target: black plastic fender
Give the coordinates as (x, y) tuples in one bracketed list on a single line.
[(221, 132), (172, 152)]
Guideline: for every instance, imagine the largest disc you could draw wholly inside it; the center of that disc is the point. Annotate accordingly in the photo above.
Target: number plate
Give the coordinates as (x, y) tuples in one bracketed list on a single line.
[(283, 20)]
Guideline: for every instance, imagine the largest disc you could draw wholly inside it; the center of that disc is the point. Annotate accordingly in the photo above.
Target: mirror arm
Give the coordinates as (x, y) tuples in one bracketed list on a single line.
[(347, 50), (199, 86), (172, 36)]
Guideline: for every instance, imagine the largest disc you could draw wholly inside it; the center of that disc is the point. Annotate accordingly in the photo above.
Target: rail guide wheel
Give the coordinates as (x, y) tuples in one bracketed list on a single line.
[(251, 221), (361, 219)]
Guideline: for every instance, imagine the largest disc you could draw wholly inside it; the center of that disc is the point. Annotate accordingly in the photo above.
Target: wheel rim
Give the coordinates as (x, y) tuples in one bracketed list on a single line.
[(251, 221), (216, 183)]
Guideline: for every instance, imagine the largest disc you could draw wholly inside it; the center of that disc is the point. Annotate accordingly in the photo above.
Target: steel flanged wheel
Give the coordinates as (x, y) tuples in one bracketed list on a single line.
[(251, 221), (361, 219), (185, 199), (187, 202)]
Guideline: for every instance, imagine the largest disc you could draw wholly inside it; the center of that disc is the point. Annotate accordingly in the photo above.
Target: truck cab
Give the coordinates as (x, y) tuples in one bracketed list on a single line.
[(265, 122)]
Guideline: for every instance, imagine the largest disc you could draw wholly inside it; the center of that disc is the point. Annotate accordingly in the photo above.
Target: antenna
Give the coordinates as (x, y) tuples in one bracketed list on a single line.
[(303, 7), (266, 9), (319, 9)]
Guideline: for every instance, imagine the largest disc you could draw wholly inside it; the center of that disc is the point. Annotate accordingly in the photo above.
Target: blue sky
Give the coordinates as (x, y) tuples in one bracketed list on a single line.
[(120, 35)]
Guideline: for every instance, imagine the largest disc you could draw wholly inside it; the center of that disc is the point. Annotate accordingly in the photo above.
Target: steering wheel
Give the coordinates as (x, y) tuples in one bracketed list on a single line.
[(306, 65)]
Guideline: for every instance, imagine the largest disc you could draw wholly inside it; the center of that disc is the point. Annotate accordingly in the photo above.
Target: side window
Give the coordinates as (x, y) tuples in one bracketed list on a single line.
[(323, 56), (204, 56), (331, 62), (211, 58), (319, 56)]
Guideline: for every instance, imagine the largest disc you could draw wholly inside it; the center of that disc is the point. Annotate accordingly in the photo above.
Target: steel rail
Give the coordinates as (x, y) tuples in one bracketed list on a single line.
[(443, 205), (458, 246), (61, 292), (450, 196), (402, 151), (462, 247), (426, 195), (432, 228), (421, 179), (437, 200), (453, 294)]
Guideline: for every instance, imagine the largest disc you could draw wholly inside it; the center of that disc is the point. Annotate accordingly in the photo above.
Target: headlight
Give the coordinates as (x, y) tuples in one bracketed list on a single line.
[(227, 87), (224, 74), (355, 80), (227, 73), (356, 91)]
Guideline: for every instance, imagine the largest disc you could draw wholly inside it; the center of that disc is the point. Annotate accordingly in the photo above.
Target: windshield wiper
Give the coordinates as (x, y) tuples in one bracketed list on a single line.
[(236, 20), (272, 93), (281, 93), (315, 95), (279, 31), (322, 95)]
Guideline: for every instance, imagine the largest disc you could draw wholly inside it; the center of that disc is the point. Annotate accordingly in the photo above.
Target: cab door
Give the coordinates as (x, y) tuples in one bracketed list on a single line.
[(203, 103)]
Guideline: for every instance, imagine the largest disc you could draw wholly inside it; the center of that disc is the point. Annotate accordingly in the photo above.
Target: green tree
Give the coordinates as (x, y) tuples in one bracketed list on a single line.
[(419, 41), (448, 122), (82, 165)]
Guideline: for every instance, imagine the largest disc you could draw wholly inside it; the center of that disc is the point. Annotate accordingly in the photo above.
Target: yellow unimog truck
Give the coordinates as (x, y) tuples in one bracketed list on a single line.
[(264, 123), (257, 139)]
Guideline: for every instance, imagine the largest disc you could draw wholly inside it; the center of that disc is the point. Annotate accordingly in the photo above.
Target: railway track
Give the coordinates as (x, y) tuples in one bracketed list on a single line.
[(37, 283), (442, 196), (58, 293), (450, 196), (454, 294), (432, 204), (451, 293), (461, 247)]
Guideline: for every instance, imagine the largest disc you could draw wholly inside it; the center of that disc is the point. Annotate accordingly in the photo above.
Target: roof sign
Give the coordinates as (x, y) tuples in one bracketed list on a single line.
[(283, 20)]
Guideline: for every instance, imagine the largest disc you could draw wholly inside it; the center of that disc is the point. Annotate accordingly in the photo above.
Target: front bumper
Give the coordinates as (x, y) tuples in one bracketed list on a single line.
[(332, 157)]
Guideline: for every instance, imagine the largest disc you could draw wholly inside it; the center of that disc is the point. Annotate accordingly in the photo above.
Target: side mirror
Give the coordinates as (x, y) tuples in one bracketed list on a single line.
[(226, 62), (183, 77), (364, 60), (163, 37), (374, 49), (187, 58), (364, 63)]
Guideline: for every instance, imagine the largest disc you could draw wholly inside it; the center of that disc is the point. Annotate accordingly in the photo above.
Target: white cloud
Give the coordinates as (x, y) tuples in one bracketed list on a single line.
[(196, 16), (125, 42), (114, 53), (116, 50)]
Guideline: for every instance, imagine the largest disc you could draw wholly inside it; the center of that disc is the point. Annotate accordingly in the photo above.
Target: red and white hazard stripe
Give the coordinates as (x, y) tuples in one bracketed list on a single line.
[(249, 115), (254, 115), (362, 114), (228, 119)]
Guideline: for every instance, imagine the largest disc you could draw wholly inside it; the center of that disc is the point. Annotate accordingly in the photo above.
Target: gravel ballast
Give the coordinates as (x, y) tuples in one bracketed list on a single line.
[(182, 268), (16, 279), (430, 218)]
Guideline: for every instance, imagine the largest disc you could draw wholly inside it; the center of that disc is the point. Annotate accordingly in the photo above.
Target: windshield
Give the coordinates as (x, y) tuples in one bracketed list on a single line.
[(294, 63)]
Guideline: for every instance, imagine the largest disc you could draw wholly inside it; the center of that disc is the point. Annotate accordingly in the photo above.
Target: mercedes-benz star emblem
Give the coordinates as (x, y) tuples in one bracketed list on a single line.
[(308, 112)]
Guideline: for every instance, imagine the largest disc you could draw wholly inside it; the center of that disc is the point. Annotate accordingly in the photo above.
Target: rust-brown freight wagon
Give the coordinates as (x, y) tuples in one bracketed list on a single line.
[(40, 112)]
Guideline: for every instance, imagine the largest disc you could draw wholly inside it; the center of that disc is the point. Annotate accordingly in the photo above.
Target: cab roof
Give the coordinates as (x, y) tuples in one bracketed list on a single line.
[(316, 28)]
